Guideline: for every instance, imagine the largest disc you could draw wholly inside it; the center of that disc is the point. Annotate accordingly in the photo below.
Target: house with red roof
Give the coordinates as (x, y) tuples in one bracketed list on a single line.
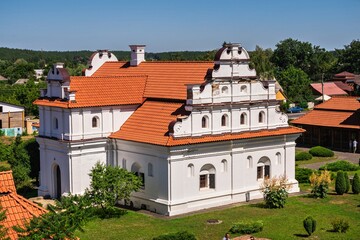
[(18, 210), (334, 123), (199, 134)]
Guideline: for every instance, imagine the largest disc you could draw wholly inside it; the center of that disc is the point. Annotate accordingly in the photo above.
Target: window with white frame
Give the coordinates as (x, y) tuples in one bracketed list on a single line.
[(95, 122), (243, 119), (225, 120), (190, 170), (207, 177), (278, 158), (205, 122), (261, 117), (224, 165), (263, 168)]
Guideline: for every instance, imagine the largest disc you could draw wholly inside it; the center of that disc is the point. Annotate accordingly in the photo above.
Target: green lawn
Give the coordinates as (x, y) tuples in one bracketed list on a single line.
[(317, 160), (283, 223)]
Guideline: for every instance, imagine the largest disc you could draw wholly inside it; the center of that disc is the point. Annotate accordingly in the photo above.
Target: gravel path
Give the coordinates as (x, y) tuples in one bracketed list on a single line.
[(350, 157)]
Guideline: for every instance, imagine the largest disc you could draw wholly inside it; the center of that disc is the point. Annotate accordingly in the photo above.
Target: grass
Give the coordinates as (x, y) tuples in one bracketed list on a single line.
[(283, 223), (317, 160)]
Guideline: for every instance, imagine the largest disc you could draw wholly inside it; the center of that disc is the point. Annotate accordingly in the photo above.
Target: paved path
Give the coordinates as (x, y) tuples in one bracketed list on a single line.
[(350, 157)]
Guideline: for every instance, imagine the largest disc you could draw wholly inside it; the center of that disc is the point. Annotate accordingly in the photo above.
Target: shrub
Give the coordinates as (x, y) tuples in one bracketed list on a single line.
[(320, 184), (309, 225), (319, 151), (340, 225), (247, 227), (184, 235), (340, 165), (302, 174), (340, 183), (303, 156), (347, 182), (356, 184), (275, 191)]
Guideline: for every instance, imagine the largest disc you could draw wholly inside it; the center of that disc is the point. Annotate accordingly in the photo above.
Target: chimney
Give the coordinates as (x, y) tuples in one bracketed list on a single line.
[(137, 54)]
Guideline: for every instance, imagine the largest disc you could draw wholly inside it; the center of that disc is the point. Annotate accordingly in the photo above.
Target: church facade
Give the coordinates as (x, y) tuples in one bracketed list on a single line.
[(199, 134)]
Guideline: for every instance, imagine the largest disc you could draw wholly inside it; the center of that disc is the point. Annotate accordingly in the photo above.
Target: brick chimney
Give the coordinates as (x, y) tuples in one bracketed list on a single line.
[(137, 54)]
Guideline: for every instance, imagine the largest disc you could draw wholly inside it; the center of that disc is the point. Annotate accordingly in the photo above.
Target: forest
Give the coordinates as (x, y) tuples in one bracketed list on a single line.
[(295, 64)]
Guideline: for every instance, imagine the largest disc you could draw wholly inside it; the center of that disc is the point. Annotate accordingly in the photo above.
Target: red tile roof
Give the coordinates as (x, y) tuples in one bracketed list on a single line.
[(341, 112), (150, 123), (18, 209), (165, 79), (345, 75), (101, 91), (330, 89)]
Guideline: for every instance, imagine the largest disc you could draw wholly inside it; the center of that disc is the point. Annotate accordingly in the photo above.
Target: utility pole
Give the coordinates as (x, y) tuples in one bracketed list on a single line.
[(322, 87)]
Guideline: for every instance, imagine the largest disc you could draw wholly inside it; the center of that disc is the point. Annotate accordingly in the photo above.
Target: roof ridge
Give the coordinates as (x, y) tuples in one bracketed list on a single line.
[(113, 76), (20, 199)]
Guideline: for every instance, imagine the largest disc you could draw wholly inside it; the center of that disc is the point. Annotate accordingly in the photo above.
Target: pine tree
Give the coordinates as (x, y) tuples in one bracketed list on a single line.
[(340, 183), (3, 229), (356, 184), (347, 182)]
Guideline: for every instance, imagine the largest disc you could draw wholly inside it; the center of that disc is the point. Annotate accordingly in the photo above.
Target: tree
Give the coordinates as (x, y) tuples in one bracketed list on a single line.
[(340, 183), (3, 229), (356, 184), (347, 182), (109, 185), (309, 225), (68, 215), (296, 84), (322, 63), (260, 60), (349, 57), (320, 184), (32, 148)]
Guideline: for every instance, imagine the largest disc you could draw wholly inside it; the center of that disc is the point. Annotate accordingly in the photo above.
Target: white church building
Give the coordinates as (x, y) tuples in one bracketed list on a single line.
[(200, 134)]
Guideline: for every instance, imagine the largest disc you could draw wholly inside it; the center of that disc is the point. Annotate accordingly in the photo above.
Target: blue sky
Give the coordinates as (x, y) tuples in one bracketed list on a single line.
[(175, 25)]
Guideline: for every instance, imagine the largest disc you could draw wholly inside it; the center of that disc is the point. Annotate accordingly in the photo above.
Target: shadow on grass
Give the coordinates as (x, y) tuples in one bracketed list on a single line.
[(258, 205), (113, 212), (301, 235)]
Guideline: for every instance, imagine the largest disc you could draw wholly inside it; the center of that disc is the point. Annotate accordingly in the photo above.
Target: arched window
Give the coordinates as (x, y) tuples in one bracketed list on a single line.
[(224, 165), (249, 162), (150, 170), (263, 168), (243, 119), (95, 122), (207, 177), (56, 123), (124, 163), (261, 117), (190, 170), (225, 90), (278, 158), (224, 120), (243, 89), (205, 122), (137, 170)]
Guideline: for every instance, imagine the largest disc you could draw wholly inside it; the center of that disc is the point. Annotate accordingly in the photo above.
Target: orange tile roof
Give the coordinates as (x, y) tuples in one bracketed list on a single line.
[(340, 103), (165, 79), (18, 209), (150, 123), (101, 91)]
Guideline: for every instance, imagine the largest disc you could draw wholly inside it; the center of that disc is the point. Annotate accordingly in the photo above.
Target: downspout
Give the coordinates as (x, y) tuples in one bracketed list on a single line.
[(285, 159), (169, 182), (232, 169)]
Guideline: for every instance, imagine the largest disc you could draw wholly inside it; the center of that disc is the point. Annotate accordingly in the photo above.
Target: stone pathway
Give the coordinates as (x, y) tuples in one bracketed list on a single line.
[(347, 156)]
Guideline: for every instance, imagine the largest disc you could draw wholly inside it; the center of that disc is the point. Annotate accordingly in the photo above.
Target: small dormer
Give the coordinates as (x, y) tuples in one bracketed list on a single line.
[(58, 81), (97, 60), (137, 54)]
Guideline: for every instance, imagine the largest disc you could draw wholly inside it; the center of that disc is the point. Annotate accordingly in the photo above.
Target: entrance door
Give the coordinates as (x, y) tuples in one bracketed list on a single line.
[(57, 178)]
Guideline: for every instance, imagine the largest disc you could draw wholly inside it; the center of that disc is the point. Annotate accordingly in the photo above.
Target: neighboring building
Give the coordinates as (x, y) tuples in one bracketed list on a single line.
[(2, 78), (18, 210), (332, 124), (330, 89), (22, 81), (11, 119), (200, 134), (39, 73), (32, 125)]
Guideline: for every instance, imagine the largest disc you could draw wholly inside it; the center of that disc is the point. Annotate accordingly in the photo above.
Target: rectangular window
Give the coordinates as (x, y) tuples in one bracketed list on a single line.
[(212, 181), (267, 171), (1, 109), (203, 181), (260, 172), (142, 177)]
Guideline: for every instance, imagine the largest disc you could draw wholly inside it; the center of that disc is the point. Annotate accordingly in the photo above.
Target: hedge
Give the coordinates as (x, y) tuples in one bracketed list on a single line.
[(184, 235), (340, 165), (302, 175), (247, 227), (303, 156), (319, 151)]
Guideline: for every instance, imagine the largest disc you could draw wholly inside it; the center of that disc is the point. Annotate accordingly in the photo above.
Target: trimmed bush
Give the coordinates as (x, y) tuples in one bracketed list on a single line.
[(309, 225), (340, 183), (302, 175), (303, 156), (184, 235), (347, 182), (320, 184), (340, 165), (356, 184), (340, 225), (319, 151), (247, 227)]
